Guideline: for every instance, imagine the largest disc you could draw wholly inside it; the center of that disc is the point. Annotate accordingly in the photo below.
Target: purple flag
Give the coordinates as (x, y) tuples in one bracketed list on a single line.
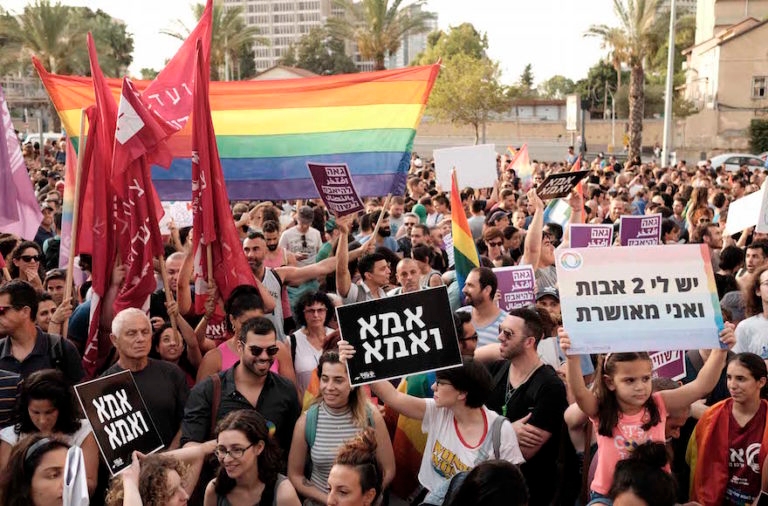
[(640, 230), (19, 210), (516, 286), (336, 188), (668, 364), (591, 236)]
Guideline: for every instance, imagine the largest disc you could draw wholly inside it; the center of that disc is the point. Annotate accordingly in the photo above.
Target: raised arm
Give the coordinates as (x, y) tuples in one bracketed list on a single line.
[(584, 397), (532, 249), (343, 277), (576, 201)]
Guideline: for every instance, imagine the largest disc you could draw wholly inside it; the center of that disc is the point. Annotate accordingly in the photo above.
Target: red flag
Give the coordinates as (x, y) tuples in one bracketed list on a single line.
[(212, 222), (98, 157)]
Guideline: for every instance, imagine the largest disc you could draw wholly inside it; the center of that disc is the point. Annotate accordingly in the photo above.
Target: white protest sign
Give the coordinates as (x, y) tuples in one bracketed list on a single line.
[(745, 213), (475, 166), (178, 211), (644, 298)]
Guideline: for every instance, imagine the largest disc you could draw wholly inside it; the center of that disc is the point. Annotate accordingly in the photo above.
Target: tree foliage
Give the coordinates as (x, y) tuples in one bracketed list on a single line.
[(556, 87), (319, 52), (148, 74), (462, 39)]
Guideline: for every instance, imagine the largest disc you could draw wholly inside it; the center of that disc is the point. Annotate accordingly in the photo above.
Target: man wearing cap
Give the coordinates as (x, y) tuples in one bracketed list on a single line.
[(302, 240), (498, 219)]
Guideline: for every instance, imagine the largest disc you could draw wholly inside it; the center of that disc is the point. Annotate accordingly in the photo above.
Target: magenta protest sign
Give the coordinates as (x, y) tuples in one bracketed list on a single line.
[(668, 364), (591, 236), (335, 186), (640, 230), (516, 286)]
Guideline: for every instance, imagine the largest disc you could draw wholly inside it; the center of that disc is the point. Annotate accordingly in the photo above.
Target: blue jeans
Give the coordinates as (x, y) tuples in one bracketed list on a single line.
[(597, 498)]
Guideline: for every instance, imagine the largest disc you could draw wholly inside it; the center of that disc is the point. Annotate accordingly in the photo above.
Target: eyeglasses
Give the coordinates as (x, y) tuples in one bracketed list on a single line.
[(256, 351), (221, 452), (473, 337), (30, 258), (303, 241), (316, 310), (495, 244), (4, 309)]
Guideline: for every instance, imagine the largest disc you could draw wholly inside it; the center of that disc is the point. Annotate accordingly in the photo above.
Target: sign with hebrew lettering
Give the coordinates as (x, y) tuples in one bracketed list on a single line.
[(398, 336), (640, 230), (646, 298), (335, 186), (586, 235), (668, 364), (119, 417), (560, 185), (516, 286)]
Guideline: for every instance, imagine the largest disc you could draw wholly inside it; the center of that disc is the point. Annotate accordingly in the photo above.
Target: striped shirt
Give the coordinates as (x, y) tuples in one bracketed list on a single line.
[(332, 431), (490, 333)]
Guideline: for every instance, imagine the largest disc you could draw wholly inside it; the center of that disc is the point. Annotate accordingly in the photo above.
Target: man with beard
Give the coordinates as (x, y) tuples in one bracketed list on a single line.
[(384, 237), (279, 257), (479, 291), (531, 395), (302, 240), (249, 384)]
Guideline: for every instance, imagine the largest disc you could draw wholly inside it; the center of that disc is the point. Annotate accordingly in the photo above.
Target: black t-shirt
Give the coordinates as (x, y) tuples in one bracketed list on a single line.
[(163, 386), (544, 397)]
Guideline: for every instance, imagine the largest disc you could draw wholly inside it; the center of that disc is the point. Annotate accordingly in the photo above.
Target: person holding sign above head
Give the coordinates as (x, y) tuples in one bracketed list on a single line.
[(35, 473), (249, 465), (461, 431), (337, 414), (623, 409)]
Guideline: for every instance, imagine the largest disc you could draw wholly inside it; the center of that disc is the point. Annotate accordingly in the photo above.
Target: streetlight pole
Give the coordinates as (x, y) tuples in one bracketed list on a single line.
[(667, 141)]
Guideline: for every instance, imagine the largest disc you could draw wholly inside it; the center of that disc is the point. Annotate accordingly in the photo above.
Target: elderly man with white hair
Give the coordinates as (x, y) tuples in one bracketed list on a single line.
[(162, 384)]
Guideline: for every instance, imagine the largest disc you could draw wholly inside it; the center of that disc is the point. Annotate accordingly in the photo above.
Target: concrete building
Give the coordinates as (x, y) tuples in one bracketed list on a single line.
[(682, 6), (411, 46), (713, 16), (726, 78), (283, 72)]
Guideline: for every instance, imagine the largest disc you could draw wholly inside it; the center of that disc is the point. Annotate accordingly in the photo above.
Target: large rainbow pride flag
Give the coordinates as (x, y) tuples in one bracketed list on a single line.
[(267, 131)]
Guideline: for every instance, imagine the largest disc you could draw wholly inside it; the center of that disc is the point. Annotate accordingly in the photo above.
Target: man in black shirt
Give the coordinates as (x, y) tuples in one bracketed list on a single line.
[(531, 395)]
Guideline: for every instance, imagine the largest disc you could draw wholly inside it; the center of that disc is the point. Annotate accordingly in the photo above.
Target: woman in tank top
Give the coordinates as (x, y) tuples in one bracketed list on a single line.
[(339, 413), (249, 461), (314, 311)]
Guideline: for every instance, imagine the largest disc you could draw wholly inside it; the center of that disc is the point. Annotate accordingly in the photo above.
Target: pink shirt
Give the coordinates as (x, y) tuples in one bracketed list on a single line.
[(230, 358), (627, 435)]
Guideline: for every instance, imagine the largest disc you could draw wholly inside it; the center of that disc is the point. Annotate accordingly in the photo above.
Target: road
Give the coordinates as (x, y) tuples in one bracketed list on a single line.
[(539, 149)]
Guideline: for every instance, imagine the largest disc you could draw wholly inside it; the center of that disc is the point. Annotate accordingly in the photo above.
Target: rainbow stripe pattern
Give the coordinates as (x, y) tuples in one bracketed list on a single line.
[(266, 131), (464, 250)]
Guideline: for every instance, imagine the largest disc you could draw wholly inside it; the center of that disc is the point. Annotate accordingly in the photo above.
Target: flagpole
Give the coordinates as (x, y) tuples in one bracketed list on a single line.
[(167, 288), (75, 218), (381, 217)]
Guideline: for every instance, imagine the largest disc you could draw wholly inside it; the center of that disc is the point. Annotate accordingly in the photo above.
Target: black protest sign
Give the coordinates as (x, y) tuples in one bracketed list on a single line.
[(560, 185), (398, 336), (119, 417), (336, 188)]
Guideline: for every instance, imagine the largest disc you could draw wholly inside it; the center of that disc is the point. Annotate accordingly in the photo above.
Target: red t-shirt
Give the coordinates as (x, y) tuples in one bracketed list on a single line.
[(743, 459)]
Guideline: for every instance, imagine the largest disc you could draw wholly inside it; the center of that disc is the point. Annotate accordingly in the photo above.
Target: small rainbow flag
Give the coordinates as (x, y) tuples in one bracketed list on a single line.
[(464, 250), (266, 131)]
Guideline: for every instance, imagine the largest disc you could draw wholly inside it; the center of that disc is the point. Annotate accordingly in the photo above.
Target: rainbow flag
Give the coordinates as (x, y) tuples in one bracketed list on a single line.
[(268, 130), (464, 250), (523, 168)]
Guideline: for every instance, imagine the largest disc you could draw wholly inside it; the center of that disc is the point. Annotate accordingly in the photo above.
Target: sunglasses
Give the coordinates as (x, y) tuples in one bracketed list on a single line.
[(473, 337), (30, 258), (495, 244), (256, 351), (4, 309)]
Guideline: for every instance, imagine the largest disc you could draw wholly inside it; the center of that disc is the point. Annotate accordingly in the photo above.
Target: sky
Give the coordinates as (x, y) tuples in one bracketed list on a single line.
[(546, 33)]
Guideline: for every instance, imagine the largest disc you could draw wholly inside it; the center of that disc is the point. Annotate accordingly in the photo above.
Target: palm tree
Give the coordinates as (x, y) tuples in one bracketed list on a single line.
[(229, 35), (43, 30), (631, 42), (378, 26)]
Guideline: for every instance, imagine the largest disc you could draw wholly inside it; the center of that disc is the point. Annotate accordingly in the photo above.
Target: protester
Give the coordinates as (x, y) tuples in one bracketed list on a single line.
[(356, 478), (34, 475), (26, 264), (314, 312), (169, 345), (640, 479), (752, 333), (493, 482), (479, 295)]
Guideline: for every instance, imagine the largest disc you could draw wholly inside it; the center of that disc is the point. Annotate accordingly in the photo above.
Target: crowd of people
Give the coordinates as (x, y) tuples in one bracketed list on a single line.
[(251, 396)]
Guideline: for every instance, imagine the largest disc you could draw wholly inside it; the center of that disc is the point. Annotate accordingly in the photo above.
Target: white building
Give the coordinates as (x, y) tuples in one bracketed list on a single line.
[(411, 46)]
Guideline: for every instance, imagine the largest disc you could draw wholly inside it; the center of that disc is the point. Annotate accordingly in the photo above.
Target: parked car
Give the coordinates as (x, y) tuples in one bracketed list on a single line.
[(734, 161)]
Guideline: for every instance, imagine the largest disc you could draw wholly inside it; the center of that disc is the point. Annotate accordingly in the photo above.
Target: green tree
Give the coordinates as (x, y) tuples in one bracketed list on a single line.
[(462, 39), (378, 26), (148, 74), (245, 65), (321, 53), (593, 87), (633, 39), (556, 87), (467, 92), (230, 37), (526, 78)]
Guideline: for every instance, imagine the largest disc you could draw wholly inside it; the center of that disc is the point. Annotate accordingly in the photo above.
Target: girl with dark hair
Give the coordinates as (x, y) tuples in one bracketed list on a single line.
[(35, 472), (493, 482), (640, 479), (46, 405), (337, 414), (623, 408), (249, 462), (356, 478), (27, 264), (169, 345), (313, 313), (730, 443)]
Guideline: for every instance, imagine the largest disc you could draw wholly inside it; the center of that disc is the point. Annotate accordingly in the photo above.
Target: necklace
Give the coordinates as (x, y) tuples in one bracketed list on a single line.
[(509, 391)]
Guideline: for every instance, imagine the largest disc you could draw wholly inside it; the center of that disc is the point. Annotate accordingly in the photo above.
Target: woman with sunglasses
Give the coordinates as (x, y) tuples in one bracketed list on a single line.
[(35, 473), (249, 463), (313, 312), (27, 264)]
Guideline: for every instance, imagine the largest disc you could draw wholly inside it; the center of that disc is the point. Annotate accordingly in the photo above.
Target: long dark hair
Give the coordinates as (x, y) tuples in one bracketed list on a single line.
[(13, 269), (184, 362), (254, 426), (16, 483), (492, 482), (49, 385), (643, 474), (608, 410)]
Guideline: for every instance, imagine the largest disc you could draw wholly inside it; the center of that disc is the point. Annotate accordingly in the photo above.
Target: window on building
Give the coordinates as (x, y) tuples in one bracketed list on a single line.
[(760, 87)]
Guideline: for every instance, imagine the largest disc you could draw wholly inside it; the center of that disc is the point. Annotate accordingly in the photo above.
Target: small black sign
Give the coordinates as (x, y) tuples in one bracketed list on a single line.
[(560, 185), (398, 336), (119, 417)]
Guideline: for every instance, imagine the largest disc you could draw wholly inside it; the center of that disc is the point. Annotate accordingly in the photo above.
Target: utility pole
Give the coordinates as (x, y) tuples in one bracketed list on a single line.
[(667, 140)]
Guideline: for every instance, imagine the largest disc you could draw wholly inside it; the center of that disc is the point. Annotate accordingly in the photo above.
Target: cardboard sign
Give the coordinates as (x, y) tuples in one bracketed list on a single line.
[(448, 245), (517, 286), (475, 166), (668, 364), (640, 230), (560, 184), (179, 211), (398, 336), (119, 417), (646, 298), (336, 188), (591, 236), (744, 212)]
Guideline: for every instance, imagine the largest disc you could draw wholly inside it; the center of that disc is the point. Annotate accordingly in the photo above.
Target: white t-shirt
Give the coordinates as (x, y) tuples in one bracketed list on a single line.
[(9, 435), (445, 454), (306, 359), (752, 336), (296, 242)]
